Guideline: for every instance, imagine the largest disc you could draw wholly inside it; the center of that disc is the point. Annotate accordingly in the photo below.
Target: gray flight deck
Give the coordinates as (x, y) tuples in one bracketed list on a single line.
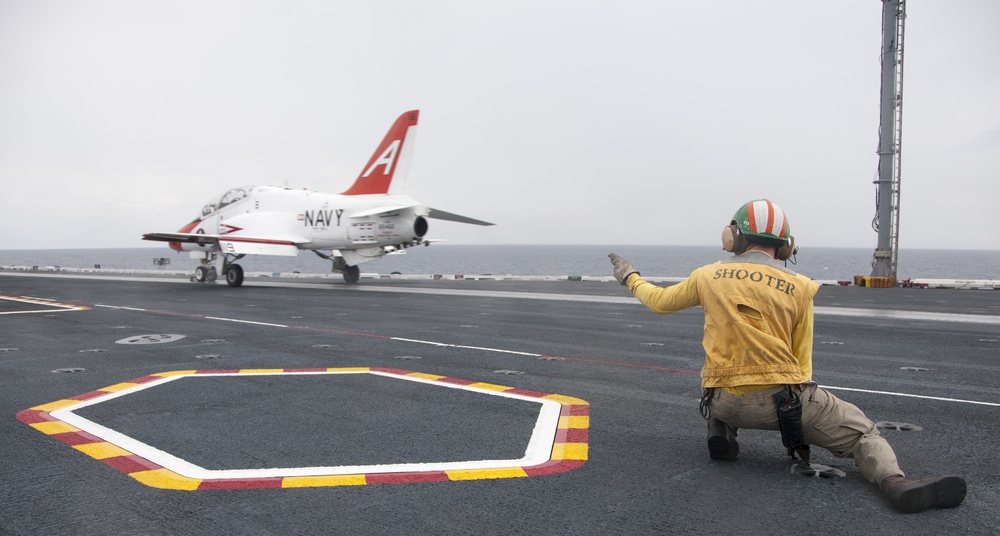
[(923, 361)]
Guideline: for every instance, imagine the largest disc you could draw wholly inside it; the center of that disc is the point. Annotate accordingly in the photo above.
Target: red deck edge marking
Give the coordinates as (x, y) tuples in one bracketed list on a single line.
[(554, 466), (144, 379), (130, 464), (341, 332), (577, 435), (627, 365), (456, 381), (34, 416), (77, 438), (525, 392), (406, 478), (242, 483)]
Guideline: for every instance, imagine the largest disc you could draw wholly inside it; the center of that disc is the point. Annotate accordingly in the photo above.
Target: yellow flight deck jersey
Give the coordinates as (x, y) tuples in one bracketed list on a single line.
[(758, 320)]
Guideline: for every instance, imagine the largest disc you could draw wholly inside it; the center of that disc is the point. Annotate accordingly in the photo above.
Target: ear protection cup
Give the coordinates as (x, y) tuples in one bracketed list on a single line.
[(733, 240), (786, 251)]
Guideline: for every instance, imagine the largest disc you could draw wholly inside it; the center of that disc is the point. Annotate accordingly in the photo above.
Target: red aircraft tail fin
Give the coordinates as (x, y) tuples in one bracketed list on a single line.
[(390, 161)]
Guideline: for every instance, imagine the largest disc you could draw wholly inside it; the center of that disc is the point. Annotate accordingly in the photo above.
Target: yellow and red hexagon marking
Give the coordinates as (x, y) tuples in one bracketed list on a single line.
[(563, 421), (46, 306)]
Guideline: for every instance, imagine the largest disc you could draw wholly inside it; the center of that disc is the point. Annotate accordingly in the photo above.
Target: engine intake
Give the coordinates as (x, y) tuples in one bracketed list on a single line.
[(420, 226)]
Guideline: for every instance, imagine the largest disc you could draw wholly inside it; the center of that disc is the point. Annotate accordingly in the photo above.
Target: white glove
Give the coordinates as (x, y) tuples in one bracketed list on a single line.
[(622, 268)]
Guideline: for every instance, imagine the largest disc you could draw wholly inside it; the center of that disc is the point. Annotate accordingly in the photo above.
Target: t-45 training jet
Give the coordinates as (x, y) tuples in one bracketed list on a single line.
[(369, 220)]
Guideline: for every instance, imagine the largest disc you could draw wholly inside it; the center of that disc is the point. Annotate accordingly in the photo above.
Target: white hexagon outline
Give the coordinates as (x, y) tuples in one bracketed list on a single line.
[(538, 451)]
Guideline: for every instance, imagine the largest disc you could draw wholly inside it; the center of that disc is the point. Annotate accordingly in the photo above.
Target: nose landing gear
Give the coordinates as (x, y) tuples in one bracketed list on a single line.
[(205, 274)]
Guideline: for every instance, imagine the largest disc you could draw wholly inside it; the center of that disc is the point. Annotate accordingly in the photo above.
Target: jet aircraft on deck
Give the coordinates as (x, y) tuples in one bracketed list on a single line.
[(372, 218)]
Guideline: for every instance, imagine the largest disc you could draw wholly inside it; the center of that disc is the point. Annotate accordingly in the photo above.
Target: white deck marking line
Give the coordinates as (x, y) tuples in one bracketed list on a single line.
[(483, 348), (907, 395), (531, 354), (223, 319), (895, 314), (238, 321), (892, 314), (120, 307), (40, 311)]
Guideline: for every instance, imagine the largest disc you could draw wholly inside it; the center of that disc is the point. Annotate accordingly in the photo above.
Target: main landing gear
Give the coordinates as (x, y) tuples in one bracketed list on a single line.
[(352, 274), (234, 274), (206, 272)]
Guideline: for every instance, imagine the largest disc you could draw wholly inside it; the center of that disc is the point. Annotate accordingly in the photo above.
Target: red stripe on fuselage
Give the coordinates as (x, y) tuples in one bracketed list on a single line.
[(176, 246)]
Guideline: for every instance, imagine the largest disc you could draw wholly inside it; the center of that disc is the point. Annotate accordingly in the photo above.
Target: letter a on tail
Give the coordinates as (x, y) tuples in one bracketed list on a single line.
[(386, 171)]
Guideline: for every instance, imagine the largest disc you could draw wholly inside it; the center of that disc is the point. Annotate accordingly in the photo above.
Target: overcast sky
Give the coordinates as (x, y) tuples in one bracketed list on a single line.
[(565, 122)]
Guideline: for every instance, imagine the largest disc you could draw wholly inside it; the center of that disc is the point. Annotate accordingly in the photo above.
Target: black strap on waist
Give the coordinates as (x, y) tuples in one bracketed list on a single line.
[(789, 408), (703, 405)]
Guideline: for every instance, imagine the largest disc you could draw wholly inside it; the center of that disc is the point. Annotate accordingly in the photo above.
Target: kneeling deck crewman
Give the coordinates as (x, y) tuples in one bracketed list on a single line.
[(758, 343)]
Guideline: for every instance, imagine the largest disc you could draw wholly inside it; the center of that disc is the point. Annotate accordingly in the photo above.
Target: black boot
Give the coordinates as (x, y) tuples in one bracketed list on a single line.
[(722, 443), (911, 496)]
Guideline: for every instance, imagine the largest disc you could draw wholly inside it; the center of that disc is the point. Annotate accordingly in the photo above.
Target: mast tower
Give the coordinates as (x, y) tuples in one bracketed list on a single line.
[(886, 221)]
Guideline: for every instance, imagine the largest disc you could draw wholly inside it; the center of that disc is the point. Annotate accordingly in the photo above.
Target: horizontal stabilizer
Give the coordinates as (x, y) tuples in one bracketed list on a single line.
[(448, 216)]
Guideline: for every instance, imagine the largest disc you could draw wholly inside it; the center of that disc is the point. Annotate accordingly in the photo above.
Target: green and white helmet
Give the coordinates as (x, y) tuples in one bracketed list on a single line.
[(763, 219)]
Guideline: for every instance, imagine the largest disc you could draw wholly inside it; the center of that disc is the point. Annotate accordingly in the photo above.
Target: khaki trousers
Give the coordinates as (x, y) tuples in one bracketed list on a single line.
[(827, 422)]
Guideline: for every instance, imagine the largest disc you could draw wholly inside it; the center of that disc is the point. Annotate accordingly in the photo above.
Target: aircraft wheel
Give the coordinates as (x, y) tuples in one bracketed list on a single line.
[(234, 275), (200, 274), (352, 274), (212, 275)]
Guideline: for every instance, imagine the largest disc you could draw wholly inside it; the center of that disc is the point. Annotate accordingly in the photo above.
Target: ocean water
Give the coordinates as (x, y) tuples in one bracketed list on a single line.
[(538, 260)]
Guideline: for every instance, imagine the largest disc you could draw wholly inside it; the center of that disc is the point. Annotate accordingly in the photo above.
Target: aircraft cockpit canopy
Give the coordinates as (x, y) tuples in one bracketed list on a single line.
[(225, 199)]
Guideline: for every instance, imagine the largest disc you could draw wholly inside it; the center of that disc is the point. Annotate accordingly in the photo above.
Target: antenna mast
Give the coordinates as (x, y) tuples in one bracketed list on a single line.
[(890, 140)]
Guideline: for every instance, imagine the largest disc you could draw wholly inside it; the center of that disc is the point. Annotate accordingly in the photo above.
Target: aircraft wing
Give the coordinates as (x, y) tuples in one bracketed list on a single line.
[(432, 213), (448, 216), (386, 209), (237, 245)]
